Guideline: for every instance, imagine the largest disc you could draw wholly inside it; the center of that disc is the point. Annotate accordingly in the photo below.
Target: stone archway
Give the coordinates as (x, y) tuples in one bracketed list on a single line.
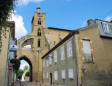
[(29, 62)]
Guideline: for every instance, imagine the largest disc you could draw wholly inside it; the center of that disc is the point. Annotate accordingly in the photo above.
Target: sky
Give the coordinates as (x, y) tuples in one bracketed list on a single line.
[(65, 14)]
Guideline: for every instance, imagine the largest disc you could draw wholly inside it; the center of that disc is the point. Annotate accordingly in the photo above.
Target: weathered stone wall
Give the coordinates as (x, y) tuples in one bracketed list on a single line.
[(99, 72)]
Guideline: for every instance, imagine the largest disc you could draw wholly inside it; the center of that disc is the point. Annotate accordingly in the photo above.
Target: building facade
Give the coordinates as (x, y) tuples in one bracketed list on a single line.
[(34, 45), (8, 34), (83, 58)]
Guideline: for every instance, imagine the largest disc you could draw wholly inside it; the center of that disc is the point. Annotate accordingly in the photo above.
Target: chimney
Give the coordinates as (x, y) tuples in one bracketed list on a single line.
[(90, 22)]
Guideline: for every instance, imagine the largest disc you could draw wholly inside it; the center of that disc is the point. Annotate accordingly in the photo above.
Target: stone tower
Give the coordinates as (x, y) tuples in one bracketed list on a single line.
[(38, 26)]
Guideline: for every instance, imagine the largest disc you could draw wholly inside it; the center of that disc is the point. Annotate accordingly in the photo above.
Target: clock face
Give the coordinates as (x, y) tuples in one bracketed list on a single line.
[(105, 28)]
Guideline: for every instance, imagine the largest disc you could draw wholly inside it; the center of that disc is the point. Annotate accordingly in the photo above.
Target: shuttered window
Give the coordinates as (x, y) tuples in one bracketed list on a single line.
[(50, 59), (55, 56), (43, 62), (70, 74), (46, 75), (87, 50), (69, 49), (47, 63), (55, 75), (62, 53), (63, 75), (43, 75)]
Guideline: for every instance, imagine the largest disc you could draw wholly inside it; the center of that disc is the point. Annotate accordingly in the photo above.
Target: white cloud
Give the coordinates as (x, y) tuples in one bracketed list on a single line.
[(108, 18), (20, 29), (25, 2)]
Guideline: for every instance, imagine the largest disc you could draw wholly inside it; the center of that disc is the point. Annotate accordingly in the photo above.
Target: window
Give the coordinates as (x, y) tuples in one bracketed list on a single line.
[(43, 75), (87, 50), (39, 32), (46, 75), (47, 63), (50, 59), (43, 62), (38, 42), (55, 56), (55, 75), (69, 49), (63, 75), (70, 73), (62, 53)]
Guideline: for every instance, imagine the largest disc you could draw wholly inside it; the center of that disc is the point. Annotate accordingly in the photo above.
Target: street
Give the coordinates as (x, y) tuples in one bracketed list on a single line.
[(27, 84)]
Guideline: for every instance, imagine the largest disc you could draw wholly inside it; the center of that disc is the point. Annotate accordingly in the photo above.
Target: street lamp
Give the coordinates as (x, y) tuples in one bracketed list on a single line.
[(83, 70)]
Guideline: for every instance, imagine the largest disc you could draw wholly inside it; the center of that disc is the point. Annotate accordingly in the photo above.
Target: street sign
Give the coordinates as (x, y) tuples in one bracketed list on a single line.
[(13, 48), (10, 67)]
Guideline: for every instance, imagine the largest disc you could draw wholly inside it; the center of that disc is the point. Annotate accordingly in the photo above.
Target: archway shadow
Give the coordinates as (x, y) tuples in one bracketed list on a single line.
[(29, 62)]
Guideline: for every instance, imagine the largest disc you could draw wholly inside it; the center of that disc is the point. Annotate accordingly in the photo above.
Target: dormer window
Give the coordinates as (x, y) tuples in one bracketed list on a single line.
[(39, 32)]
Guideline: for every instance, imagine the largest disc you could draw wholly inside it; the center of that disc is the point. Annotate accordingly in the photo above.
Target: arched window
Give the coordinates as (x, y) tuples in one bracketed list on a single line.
[(38, 42), (39, 32), (39, 22)]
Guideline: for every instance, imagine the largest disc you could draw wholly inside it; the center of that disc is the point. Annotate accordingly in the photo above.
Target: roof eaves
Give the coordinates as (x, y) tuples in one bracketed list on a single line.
[(59, 29)]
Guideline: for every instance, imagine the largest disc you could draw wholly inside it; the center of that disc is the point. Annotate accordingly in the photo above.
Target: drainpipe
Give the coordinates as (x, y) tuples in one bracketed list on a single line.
[(75, 58)]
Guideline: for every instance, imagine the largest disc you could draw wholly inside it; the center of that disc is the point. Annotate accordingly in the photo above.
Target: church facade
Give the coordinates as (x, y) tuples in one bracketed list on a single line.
[(34, 45)]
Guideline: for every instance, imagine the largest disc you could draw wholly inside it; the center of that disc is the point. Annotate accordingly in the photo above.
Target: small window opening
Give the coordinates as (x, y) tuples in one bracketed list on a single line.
[(38, 42), (39, 32), (39, 22)]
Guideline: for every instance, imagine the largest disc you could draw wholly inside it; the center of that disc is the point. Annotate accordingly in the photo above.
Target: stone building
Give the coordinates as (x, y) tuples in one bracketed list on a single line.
[(82, 58), (8, 35), (34, 45)]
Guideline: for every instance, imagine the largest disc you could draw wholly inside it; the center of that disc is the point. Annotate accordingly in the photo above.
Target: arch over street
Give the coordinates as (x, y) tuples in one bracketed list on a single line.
[(29, 62)]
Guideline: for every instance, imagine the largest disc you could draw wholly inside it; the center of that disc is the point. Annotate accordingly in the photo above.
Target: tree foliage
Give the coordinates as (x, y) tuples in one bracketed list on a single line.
[(19, 74), (25, 67), (27, 74), (16, 64), (6, 6)]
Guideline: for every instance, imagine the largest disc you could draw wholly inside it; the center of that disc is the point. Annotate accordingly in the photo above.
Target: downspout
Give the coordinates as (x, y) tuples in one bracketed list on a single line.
[(75, 58)]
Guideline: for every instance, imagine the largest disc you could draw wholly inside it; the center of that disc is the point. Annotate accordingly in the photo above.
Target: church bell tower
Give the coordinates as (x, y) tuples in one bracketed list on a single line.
[(38, 26), (38, 19)]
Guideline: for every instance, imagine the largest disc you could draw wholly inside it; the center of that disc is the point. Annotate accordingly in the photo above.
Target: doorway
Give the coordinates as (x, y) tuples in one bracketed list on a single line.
[(51, 78)]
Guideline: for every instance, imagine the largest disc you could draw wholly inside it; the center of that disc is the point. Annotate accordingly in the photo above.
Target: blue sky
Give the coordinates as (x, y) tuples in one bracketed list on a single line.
[(67, 14)]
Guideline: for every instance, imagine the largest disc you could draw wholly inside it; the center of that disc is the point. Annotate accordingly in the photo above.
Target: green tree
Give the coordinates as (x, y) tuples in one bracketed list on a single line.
[(26, 67), (27, 74), (16, 64), (19, 74), (6, 7)]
